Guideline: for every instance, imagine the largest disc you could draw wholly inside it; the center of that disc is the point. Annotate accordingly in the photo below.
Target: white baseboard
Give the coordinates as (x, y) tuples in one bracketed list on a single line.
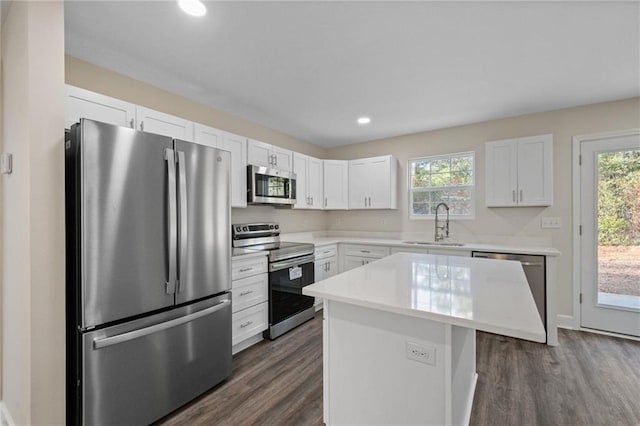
[(246, 343), (566, 321), (5, 416)]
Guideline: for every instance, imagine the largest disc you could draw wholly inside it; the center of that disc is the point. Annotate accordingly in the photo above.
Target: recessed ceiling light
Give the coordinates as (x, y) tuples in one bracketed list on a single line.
[(192, 7), (364, 120)]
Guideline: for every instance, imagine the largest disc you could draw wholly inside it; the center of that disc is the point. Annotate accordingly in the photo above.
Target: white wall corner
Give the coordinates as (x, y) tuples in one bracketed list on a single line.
[(566, 321), (5, 416)]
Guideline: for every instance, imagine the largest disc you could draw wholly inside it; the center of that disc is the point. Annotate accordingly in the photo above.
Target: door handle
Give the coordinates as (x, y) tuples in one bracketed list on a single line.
[(142, 126), (135, 334), (521, 195), (172, 223), (131, 124), (183, 231), (513, 195)]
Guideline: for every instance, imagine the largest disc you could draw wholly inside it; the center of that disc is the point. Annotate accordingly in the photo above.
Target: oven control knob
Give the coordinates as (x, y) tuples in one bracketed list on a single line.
[(244, 228), (237, 229), (277, 226), (271, 226)]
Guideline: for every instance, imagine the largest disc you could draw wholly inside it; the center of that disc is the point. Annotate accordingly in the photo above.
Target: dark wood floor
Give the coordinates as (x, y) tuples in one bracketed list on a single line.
[(589, 379)]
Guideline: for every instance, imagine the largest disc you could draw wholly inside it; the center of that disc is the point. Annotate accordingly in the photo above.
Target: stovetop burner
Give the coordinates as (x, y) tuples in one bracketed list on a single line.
[(266, 237)]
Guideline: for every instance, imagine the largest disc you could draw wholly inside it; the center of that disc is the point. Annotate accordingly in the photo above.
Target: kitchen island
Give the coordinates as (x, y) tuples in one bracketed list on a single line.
[(399, 335)]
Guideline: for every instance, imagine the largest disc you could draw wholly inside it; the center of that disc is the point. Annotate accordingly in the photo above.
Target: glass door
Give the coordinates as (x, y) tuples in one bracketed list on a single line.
[(610, 243)]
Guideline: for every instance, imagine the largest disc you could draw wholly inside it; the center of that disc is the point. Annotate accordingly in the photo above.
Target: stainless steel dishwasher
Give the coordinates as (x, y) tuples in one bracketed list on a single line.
[(535, 271)]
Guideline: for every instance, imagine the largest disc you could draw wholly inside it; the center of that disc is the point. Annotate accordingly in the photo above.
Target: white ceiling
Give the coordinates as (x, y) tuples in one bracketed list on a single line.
[(309, 69)]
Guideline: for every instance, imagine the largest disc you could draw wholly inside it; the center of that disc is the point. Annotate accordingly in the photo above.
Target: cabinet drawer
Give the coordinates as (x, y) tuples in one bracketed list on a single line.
[(241, 268), (366, 251), (249, 291), (325, 252), (249, 322)]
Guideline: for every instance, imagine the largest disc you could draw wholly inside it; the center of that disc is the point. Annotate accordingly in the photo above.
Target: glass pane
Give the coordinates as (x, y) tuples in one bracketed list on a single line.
[(460, 202), (440, 179), (618, 208), (420, 203), (441, 166), (420, 174)]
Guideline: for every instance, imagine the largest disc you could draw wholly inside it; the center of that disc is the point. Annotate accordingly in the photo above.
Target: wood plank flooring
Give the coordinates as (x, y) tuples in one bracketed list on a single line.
[(589, 379)]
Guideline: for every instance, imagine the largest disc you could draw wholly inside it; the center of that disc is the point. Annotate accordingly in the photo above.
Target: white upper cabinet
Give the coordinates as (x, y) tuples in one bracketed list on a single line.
[(519, 172), (336, 184), (309, 183), (81, 103), (267, 155), (208, 136), (373, 183), (164, 124), (237, 145)]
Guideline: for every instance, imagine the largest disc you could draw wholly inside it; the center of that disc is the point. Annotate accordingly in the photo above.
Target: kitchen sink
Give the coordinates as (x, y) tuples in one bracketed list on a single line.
[(433, 243)]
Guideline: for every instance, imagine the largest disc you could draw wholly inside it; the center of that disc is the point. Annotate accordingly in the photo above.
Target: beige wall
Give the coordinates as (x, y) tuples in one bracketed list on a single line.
[(33, 213), (493, 223), (87, 76)]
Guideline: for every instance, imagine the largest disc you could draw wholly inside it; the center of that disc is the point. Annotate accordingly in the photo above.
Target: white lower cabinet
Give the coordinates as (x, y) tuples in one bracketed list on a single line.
[(250, 301), (325, 265), (358, 255)]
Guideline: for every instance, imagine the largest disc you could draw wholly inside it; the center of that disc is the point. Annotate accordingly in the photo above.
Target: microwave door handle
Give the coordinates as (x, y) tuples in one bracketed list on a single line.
[(172, 223), (182, 234)]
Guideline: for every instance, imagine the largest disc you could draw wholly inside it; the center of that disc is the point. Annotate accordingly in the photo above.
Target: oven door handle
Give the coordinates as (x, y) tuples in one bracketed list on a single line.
[(298, 261)]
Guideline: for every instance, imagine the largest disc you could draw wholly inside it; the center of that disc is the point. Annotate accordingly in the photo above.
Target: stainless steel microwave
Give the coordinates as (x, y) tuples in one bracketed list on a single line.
[(270, 186)]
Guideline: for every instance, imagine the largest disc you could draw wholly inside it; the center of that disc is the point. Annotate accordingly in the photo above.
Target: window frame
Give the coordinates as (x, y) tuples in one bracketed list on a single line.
[(472, 187)]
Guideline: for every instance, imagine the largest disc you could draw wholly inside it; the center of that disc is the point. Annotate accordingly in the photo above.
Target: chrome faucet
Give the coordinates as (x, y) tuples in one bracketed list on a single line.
[(442, 231)]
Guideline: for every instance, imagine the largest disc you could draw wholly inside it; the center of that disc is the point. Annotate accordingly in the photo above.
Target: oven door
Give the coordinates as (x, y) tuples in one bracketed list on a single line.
[(286, 280), (270, 186)]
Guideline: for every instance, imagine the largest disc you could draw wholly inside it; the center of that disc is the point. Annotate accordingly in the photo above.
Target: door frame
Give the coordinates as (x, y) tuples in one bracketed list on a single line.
[(577, 204)]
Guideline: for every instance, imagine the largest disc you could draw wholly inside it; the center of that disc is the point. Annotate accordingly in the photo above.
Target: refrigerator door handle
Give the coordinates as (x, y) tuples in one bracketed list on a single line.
[(135, 334), (172, 224), (182, 233)]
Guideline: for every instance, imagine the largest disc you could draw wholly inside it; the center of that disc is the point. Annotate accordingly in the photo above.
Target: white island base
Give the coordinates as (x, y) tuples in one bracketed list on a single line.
[(369, 377), (399, 335)]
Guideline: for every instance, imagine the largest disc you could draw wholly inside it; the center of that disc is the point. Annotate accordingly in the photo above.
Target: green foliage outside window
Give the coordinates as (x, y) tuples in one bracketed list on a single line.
[(619, 198)]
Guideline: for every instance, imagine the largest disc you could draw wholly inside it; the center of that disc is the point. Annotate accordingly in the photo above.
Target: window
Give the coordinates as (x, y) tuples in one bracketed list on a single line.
[(442, 179)]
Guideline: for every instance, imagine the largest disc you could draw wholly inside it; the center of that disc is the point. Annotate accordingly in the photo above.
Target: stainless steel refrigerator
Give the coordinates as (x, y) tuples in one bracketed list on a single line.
[(148, 273)]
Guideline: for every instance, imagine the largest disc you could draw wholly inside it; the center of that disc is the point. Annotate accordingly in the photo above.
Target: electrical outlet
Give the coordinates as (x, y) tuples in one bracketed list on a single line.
[(421, 353), (550, 222)]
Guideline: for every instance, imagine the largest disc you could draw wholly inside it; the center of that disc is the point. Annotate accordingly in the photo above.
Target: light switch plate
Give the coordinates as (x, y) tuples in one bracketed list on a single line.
[(6, 164), (550, 222)]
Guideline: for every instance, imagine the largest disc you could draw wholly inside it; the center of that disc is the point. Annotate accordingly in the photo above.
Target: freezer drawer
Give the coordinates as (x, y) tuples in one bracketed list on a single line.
[(140, 371)]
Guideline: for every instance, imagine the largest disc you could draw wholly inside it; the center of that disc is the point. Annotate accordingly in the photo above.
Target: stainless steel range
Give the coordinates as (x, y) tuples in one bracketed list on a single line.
[(290, 269)]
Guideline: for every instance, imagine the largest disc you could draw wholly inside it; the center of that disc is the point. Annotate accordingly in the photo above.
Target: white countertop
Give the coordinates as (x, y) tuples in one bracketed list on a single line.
[(500, 248), (484, 294)]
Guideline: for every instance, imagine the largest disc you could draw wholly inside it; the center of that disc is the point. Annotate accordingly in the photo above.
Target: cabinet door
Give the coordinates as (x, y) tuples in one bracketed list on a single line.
[(535, 171), (358, 185), (351, 262), (320, 270), (282, 158), (336, 184), (378, 181), (501, 173), (314, 182), (81, 103), (300, 165), (259, 154), (208, 136), (164, 124), (237, 145)]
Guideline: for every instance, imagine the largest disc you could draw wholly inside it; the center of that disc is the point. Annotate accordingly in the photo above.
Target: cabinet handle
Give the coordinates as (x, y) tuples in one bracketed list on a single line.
[(325, 201), (513, 195), (245, 293), (365, 201), (521, 195), (369, 201), (245, 269), (365, 251), (311, 200), (326, 252), (275, 157), (142, 126), (363, 262), (131, 124), (246, 324)]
